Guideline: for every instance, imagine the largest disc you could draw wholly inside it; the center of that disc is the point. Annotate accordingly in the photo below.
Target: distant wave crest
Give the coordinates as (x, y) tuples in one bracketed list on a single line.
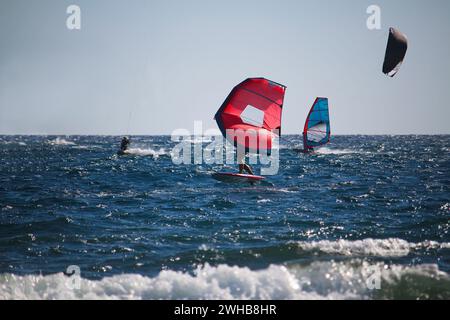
[(146, 152), (392, 247), (325, 150), (61, 142)]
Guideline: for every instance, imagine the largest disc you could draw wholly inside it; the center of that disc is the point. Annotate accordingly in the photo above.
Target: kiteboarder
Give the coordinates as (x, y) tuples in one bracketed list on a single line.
[(124, 145)]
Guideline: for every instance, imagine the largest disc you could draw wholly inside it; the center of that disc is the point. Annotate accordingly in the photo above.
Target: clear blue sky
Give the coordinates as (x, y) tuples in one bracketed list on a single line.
[(173, 62)]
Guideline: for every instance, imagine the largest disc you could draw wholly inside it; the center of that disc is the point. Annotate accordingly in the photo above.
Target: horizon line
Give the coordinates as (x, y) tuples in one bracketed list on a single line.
[(168, 135)]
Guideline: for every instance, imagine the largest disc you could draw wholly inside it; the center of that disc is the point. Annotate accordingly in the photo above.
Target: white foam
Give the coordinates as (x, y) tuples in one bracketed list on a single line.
[(61, 142), (325, 151), (222, 282), (146, 152), (198, 140), (319, 280), (83, 147), (392, 247), (20, 143)]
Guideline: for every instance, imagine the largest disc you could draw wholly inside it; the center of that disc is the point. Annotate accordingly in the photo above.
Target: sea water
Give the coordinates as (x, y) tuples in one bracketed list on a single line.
[(367, 217)]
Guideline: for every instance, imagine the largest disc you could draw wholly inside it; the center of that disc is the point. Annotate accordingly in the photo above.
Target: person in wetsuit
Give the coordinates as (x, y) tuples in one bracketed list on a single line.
[(306, 148), (244, 167), (124, 144)]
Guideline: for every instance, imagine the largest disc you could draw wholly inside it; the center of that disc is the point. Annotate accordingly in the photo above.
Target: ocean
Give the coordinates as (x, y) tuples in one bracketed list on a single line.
[(366, 217)]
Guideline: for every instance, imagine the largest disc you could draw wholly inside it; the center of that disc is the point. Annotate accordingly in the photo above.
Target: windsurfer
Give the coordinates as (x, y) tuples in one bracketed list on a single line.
[(316, 132), (124, 144), (243, 166), (306, 148)]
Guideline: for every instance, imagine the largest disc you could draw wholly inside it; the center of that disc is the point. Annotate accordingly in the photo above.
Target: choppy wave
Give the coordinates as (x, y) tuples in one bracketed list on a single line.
[(61, 142), (319, 280), (198, 140), (146, 152), (392, 247), (72, 205), (20, 143), (325, 150)]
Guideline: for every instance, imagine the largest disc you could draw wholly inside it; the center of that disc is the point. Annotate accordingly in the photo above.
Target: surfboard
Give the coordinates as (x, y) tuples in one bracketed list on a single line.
[(236, 177)]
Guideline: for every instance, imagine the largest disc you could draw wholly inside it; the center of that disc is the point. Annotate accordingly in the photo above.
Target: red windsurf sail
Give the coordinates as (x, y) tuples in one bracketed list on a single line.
[(251, 115)]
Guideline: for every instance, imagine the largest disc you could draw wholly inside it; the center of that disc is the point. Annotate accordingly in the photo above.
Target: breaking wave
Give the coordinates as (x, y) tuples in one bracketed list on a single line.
[(319, 280)]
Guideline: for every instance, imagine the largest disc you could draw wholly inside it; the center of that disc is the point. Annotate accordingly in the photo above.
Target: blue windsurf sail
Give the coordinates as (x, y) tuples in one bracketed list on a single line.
[(317, 132)]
